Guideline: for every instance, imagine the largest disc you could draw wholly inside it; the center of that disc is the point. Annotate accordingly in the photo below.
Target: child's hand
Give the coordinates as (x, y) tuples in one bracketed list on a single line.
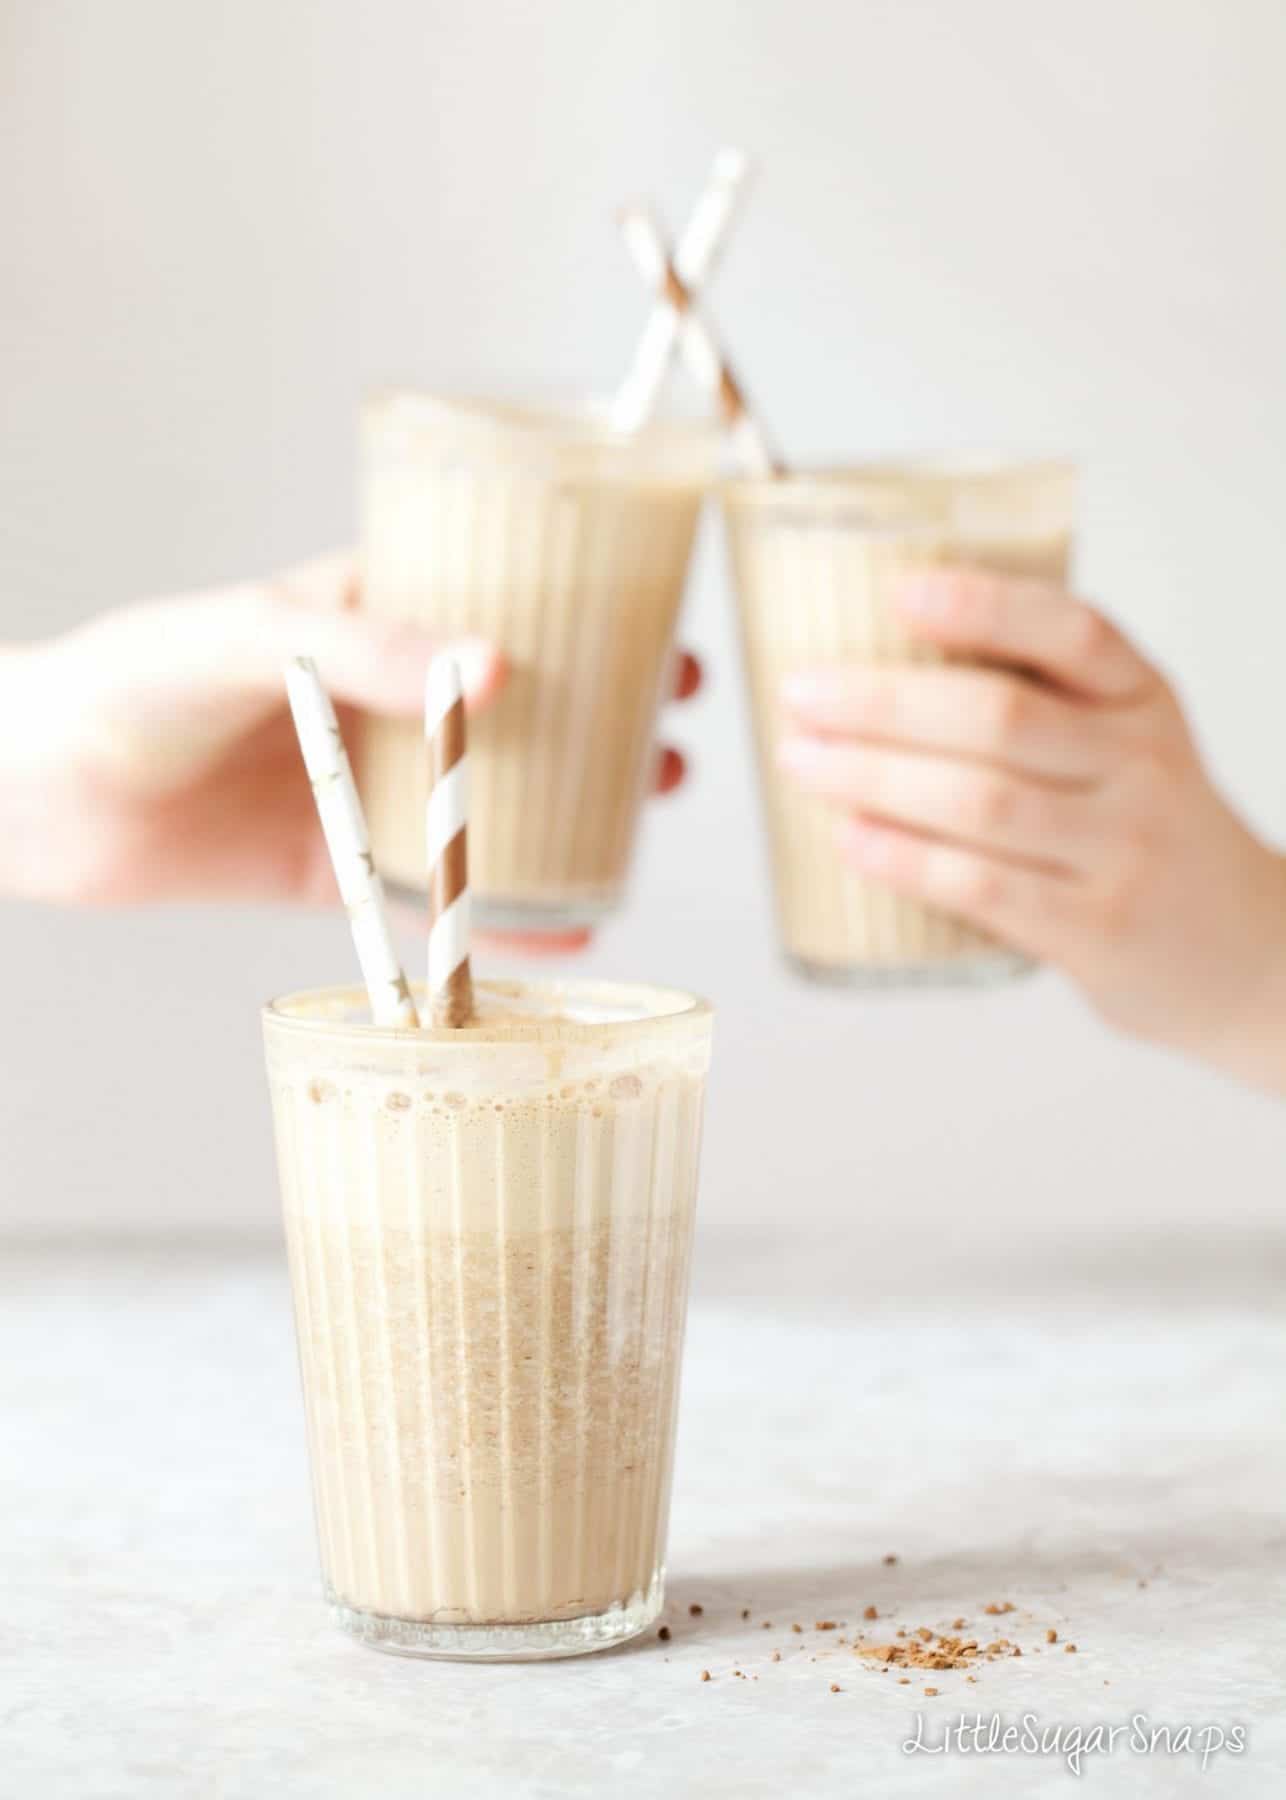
[(1055, 797), (149, 754)]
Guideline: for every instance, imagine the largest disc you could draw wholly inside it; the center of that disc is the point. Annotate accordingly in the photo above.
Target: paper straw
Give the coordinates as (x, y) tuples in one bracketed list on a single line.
[(694, 260), (697, 344), (344, 828), (446, 830)]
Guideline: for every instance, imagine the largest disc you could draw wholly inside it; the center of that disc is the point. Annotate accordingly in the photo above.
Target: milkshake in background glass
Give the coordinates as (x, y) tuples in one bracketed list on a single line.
[(566, 544), (817, 559), (488, 1232)]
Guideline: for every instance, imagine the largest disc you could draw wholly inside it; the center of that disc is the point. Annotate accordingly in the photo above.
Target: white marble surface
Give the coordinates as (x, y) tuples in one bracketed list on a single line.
[(163, 1636)]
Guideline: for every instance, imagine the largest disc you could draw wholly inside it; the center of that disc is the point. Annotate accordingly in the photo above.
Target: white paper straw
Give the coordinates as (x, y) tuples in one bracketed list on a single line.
[(344, 828), (694, 260)]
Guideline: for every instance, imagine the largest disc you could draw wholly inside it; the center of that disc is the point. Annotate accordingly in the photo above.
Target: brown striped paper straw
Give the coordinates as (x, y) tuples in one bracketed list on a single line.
[(344, 828), (697, 343), (446, 830)]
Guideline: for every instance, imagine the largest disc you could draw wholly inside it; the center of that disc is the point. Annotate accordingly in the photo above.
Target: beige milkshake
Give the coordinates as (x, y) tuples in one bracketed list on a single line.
[(567, 545), (816, 561), (488, 1233)]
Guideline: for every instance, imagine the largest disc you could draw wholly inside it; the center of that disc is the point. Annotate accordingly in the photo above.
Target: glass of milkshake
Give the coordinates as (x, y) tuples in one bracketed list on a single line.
[(566, 544), (817, 558), (488, 1232)]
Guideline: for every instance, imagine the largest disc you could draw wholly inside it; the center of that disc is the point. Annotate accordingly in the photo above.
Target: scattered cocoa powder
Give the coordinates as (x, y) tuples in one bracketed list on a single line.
[(664, 1634), (889, 1561), (924, 1649), (920, 1648)]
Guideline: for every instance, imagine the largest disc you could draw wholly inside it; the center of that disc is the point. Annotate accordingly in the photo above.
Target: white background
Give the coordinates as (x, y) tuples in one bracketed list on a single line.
[(1024, 223)]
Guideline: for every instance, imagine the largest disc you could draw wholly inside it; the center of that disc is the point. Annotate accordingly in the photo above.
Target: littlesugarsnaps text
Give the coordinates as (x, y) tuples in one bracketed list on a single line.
[(991, 1734)]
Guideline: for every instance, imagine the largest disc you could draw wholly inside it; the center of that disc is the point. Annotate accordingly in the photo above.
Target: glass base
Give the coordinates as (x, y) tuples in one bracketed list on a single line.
[(493, 914), (535, 1642), (949, 972)]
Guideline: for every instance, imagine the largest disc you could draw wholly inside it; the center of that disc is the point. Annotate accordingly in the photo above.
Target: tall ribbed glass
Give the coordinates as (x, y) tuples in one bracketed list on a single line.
[(566, 545), (817, 559), (488, 1233)]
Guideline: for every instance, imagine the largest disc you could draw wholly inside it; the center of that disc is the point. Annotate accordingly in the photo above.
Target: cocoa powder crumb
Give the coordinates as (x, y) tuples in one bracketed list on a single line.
[(705, 1674), (1070, 1649), (930, 1690), (957, 1624), (696, 1610), (823, 1624), (871, 1612), (999, 1606), (1051, 1636), (919, 1653), (776, 1656), (745, 1612), (797, 1628), (835, 1687), (767, 1625), (664, 1634), (889, 1561)]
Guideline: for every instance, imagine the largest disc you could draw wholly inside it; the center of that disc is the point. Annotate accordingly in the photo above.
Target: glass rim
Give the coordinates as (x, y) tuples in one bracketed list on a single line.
[(829, 482), (584, 421), (289, 1014)]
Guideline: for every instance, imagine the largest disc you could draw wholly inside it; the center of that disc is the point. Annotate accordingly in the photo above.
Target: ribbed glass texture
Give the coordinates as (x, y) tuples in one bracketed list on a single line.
[(488, 1236), (566, 546), (816, 562)]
